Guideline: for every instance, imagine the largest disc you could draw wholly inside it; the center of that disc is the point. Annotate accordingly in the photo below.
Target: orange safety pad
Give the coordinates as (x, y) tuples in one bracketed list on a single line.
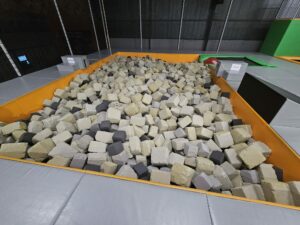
[(282, 154), (292, 59)]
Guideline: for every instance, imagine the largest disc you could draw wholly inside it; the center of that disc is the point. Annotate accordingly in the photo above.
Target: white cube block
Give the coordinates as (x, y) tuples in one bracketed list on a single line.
[(223, 139), (114, 115), (178, 143), (104, 137), (83, 124), (62, 137), (153, 131), (147, 99), (147, 146), (160, 176), (176, 158), (137, 120), (135, 145), (197, 120), (159, 140), (191, 133), (160, 156), (190, 150), (185, 121), (97, 146)]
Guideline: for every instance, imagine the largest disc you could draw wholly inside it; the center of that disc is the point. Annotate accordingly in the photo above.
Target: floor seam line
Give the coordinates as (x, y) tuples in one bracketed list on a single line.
[(67, 201), (209, 210)]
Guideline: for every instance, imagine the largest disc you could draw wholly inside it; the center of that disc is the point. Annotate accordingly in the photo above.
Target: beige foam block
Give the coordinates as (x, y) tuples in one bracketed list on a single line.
[(109, 167), (197, 120), (163, 177), (60, 93), (9, 128), (204, 165), (223, 139), (208, 117), (147, 99), (224, 117), (247, 191), (295, 189), (165, 113), (83, 123), (147, 146), (40, 150), (17, 134), (239, 147), (277, 192), (252, 157), (114, 115), (259, 192), (160, 156), (240, 135), (176, 158), (46, 133), (137, 120), (35, 126), (126, 171), (153, 87), (233, 158), (131, 109), (124, 99), (185, 121), (265, 150), (62, 137), (221, 175), (14, 150), (266, 172), (203, 132), (191, 133), (59, 161), (135, 145), (182, 175)]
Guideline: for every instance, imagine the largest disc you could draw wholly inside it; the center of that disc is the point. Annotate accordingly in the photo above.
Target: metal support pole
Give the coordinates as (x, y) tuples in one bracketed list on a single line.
[(224, 27), (296, 11), (105, 23), (10, 59), (93, 22), (180, 27), (63, 26), (141, 24)]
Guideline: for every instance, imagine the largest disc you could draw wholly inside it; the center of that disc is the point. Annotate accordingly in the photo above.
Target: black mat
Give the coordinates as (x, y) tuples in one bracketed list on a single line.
[(263, 99)]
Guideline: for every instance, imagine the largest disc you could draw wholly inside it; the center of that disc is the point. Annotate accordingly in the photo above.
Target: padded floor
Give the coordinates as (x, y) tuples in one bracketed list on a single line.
[(38, 195)]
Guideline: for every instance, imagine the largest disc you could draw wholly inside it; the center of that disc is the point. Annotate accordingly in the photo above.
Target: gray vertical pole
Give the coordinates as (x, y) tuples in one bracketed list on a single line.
[(180, 27), (224, 27), (105, 22), (93, 22), (63, 26), (296, 11), (141, 25), (10, 59)]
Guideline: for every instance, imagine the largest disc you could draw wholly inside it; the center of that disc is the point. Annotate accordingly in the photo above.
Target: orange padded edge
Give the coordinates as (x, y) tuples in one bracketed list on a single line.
[(290, 58), (282, 155)]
